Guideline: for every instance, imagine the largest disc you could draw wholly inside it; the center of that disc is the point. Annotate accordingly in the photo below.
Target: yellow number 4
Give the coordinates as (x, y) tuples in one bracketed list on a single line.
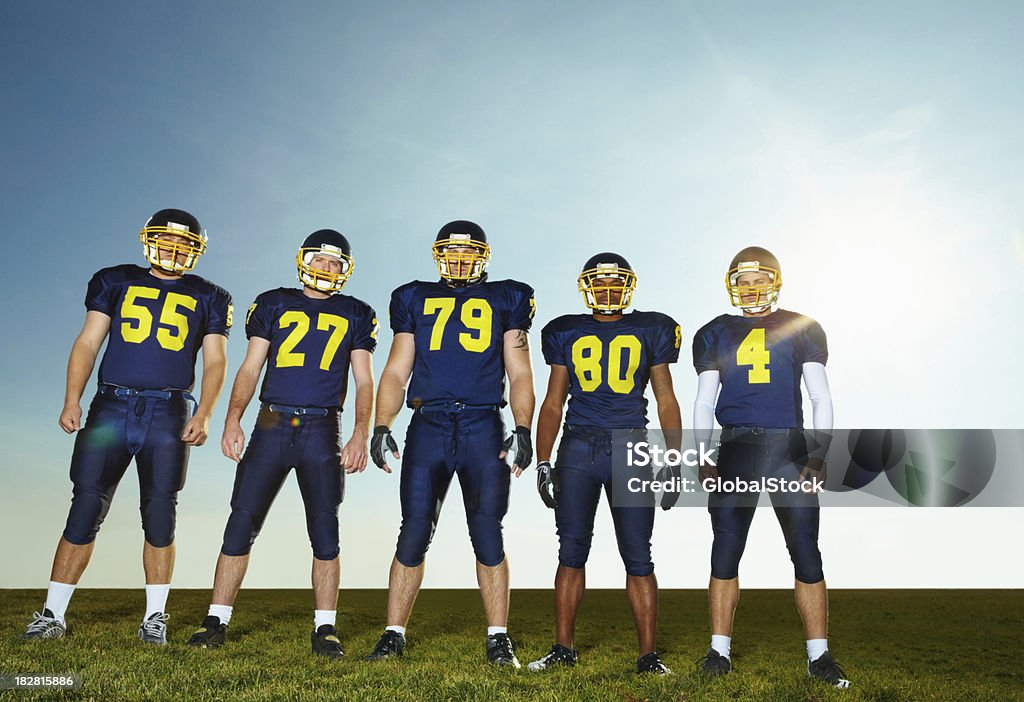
[(752, 352)]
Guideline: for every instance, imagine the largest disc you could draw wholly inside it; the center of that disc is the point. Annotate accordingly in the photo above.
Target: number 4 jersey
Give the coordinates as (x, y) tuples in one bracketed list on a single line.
[(760, 363), (156, 326), (459, 333), (609, 364), (311, 342)]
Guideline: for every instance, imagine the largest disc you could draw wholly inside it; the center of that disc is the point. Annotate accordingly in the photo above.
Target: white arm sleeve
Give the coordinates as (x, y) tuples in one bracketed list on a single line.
[(708, 383), (816, 382)]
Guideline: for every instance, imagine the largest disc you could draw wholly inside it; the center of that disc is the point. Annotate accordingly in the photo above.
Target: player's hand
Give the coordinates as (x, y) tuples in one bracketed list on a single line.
[(70, 419), (814, 468), (383, 440), (353, 456), (546, 483), (670, 473), (707, 471), (520, 438), (196, 430), (232, 442)]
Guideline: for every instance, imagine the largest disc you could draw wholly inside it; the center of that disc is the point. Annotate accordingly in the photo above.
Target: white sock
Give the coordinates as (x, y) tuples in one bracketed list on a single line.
[(492, 630), (816, 647), (156, 599), (395, 627), (324, 616), (222, 612), (58, 595), (721, 644)]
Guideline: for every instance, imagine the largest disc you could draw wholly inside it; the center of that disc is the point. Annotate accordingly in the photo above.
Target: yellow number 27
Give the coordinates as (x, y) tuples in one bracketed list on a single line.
[(752, 352)]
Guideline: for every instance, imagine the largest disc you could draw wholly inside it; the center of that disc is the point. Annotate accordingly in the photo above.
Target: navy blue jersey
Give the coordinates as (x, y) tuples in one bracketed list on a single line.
[(609, 364), (760, 362), (459, 335), (311, 342), (156, 326)]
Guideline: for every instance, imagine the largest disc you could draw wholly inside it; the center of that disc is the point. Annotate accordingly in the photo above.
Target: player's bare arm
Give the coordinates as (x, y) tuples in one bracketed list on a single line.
[(393, 381), (80, 364), (232, 442), (549, 419), (353, 456), (215, 368), (519, 368), (669, 416)]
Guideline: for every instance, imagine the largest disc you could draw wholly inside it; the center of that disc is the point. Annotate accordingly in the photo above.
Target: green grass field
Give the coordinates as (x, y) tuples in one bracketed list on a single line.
[(895, 645)]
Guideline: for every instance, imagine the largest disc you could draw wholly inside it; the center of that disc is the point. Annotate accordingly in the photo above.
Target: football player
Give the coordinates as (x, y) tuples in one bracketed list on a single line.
[(603, 361), (155, 321), (457, 338), (753, 364), (308, 339)]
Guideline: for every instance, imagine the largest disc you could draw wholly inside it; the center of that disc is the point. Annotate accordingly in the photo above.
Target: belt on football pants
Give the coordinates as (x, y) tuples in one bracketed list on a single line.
[(729, 432), (600, 438), (120, 391), (300, 411), (454, 407)]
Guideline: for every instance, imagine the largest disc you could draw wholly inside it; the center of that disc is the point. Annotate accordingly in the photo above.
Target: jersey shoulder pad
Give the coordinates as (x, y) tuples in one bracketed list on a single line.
[(652, 319), (125, 272), (564, 323)]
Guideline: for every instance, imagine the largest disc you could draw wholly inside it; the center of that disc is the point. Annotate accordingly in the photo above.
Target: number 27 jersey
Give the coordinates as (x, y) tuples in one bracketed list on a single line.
[(459, 334), (311, 343)]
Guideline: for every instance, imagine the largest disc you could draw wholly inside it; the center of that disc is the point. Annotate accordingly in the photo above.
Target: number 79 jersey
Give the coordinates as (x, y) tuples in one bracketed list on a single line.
[(311, 343), (459, 334), (156, 326), (609, 364), (760, 363)]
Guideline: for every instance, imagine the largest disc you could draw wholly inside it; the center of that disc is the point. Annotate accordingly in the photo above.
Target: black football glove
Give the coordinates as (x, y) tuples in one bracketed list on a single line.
[(520, 438), (670, 473), (546, 486), (381, 441)]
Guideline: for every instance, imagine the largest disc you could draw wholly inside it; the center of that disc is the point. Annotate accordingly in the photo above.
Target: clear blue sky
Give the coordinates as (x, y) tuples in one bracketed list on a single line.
[(876, 148)]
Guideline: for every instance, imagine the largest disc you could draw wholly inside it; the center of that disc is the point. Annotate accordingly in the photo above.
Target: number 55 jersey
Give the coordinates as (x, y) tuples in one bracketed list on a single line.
[(156, 326)]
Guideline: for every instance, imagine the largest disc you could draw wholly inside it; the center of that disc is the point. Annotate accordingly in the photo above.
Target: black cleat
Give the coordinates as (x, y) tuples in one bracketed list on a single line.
[(825, 669), (325, 642), (558, 655), (651, 663), (500, 651), (713, 664), (391, 644), (45, 626), (154, 630), (211, 634)]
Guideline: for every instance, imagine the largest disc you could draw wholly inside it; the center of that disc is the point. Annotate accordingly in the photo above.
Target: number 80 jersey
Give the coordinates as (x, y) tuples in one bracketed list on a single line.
[(156, 326), (311, 342), (609, 364), (459, 334), (760, 363)]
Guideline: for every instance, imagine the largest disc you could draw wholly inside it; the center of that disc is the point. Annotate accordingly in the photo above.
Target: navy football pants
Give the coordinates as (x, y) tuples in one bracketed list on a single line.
[(583, 468), (438, 445), (279, 443), (116, 429), (750, 457)]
